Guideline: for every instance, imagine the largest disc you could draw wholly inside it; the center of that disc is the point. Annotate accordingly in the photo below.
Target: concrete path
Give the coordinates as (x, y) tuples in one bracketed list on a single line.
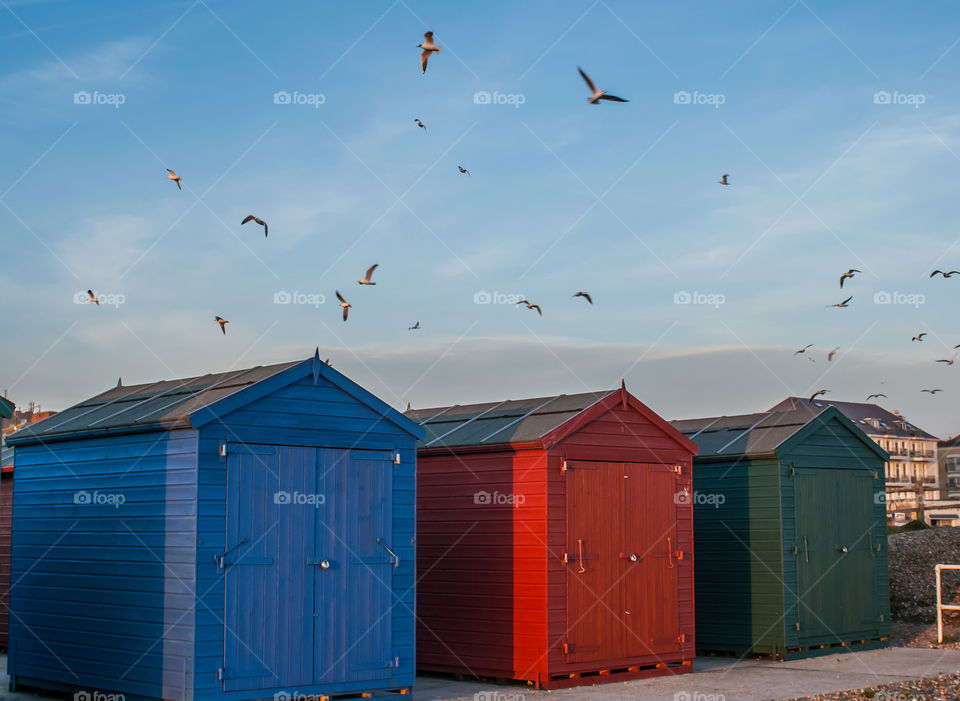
[(721, 679), (713, 679)]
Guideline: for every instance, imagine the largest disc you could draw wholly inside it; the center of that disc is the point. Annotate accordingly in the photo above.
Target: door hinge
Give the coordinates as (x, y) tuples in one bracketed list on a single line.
[(566, 648), (881, 618), (796, 626), (223, 449), (678, 469), (563, 466), (791, 472), (682, 638), (222, 674), (394, 663), (396, 457)]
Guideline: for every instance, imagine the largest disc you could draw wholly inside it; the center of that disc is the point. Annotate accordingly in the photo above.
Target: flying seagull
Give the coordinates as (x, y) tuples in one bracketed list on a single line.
[(723, 180), (598, 94), (919, 336), (874, 396), (415, 327), (948, 362), (366, 278), (945, 274), (259, 221), (956, 346), (464, 170), (92, 298), (931, 391), (343, 303), (844, 304), (174, 177), (804, 349), (428, 48), (585, 296), (818, 393), (223, 324), (832, 353), (420, 124), (531, 305), (847, 274)]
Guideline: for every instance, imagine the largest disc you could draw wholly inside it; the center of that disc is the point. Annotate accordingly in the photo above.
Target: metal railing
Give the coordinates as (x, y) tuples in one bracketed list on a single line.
[(941, 607)]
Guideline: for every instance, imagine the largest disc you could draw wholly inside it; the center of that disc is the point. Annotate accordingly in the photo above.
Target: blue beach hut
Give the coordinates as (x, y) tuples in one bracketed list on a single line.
[(231, 536)]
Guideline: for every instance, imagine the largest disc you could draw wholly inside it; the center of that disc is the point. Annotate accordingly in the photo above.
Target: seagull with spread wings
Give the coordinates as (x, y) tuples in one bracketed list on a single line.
[(842, 305), (415, 327), (92, 298), (223, 324), (803, 350), (598, 94), (259, 221), (428, 48), (366, 278), (931, 391), (420, 124), (585, 296), (875, 396), (174, 177), (850, 273), (832, 353), (919, 337), (723, 180), (531, 305), (945, 274), (344, 304), (818, 393)]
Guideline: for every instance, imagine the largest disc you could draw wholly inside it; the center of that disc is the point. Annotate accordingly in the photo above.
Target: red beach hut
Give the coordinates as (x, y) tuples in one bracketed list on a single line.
[(554, 541)]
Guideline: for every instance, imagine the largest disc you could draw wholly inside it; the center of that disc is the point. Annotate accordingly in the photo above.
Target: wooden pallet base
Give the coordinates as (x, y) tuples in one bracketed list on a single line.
[(803, 652), (362, 694), (620, 674)]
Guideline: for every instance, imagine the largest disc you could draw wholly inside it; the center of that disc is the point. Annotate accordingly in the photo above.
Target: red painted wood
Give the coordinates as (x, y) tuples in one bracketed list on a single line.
[(494, 596)]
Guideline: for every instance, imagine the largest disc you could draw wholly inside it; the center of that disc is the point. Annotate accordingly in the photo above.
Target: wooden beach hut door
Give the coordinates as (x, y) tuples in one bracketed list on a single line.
[(622, 584), (836, 570), (307, 591)]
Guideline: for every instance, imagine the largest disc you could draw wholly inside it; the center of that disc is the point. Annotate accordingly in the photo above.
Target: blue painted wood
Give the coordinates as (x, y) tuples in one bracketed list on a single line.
[(129, 597)]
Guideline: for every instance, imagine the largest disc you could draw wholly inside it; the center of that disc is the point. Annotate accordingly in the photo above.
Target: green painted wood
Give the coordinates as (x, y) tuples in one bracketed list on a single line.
[(751, 570)]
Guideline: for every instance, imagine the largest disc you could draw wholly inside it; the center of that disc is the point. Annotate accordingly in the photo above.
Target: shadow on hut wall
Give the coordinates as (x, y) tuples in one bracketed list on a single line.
[(102, 565), (469, 531), (728, 573)]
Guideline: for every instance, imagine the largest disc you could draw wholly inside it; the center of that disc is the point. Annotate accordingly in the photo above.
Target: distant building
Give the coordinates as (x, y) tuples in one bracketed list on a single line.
[(16, 419), (948, 454), (913, 467)]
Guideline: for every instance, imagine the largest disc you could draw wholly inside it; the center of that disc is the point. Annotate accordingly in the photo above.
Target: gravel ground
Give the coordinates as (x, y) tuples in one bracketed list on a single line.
[(946, 688), (925, 634), (912, 556)]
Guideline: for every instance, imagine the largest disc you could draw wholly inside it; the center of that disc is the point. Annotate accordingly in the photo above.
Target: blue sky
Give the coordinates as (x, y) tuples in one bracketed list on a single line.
[(620, 200)]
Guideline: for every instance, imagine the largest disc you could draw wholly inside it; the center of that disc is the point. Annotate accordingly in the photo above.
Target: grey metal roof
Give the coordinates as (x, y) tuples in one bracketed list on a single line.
[(495, 423), (889, 424), (168, 403), (744, 434)]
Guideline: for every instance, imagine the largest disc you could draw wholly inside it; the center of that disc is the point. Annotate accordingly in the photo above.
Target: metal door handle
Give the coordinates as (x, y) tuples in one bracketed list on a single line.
[(806, 554), (322, 564), (669, 553), (580, 544), (396, 558)]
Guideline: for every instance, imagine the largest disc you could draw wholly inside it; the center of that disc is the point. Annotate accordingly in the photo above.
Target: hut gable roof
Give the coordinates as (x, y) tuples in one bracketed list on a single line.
[(763, 433), (191, 402), (537, 421)]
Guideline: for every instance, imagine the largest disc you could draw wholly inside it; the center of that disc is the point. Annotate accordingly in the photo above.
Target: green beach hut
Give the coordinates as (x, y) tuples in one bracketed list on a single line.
[(789, 534)]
